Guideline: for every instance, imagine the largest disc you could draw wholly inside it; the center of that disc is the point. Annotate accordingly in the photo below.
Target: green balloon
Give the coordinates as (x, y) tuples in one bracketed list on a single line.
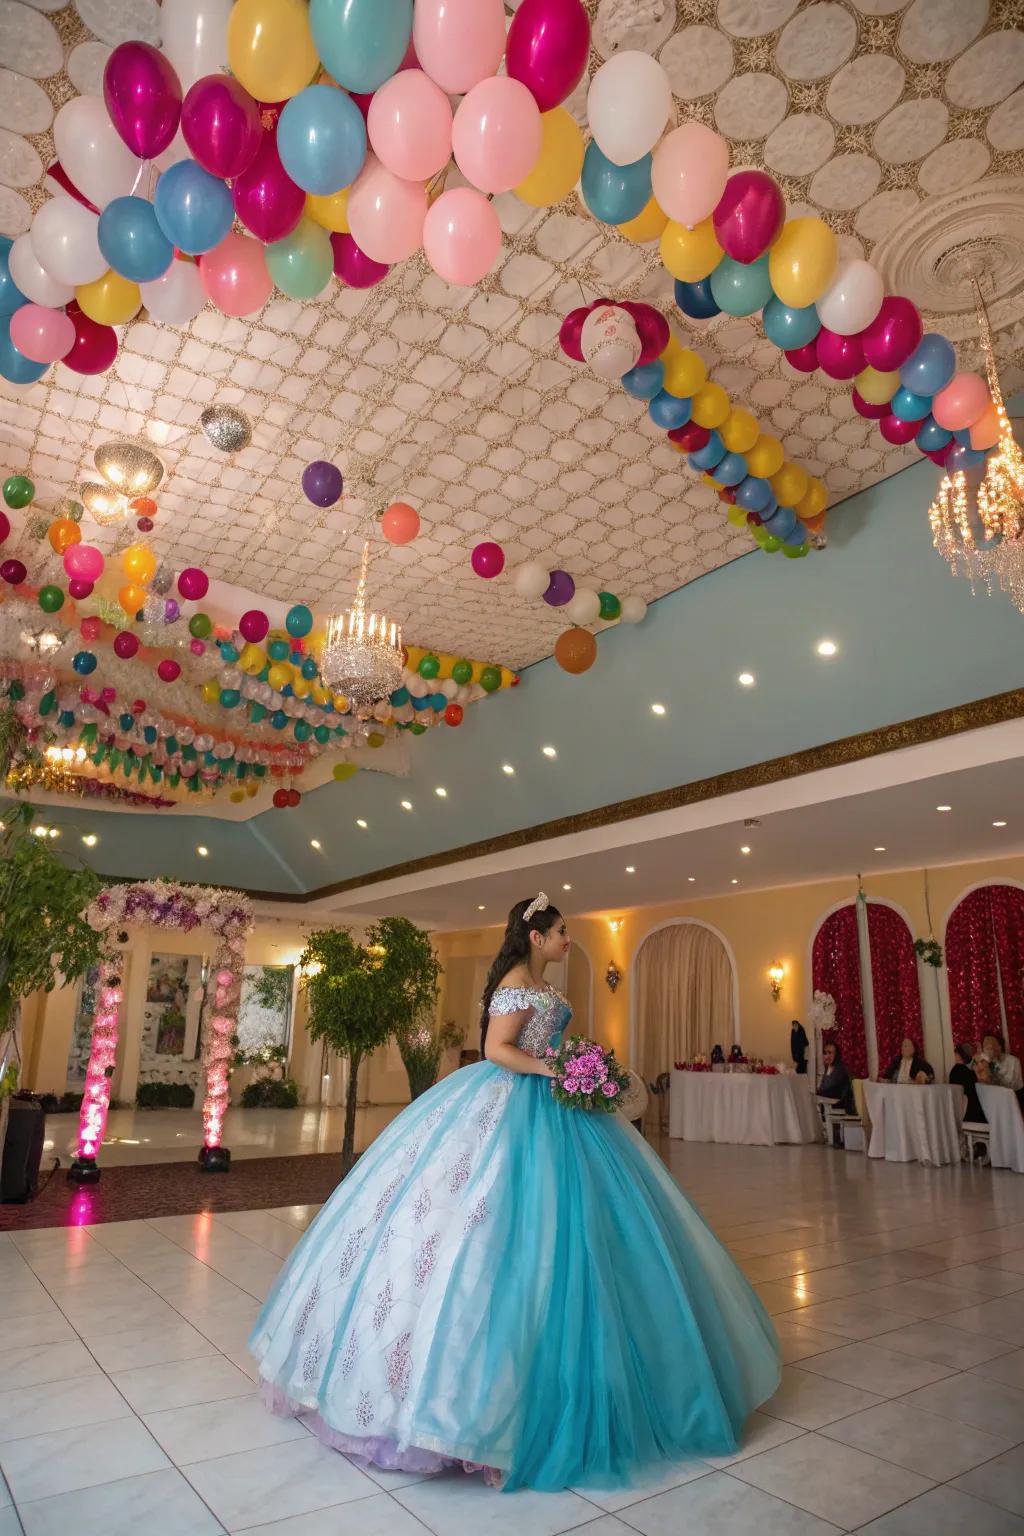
[(48, 702), (302, 263), (279, 650), (51, 599), (18, 490), (322, 734), (462, 672), (200, 626), (771, 544), (794, 551), (429, 666), (490, 679), (302, 730), (416, 728), (611, 607)]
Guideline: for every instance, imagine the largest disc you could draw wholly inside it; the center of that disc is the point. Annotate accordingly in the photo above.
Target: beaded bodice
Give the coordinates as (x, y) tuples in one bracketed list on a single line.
[(550, 1014)]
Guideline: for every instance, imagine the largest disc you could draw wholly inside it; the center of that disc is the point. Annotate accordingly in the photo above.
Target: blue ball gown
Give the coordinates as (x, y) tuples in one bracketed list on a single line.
[(518, 1287)]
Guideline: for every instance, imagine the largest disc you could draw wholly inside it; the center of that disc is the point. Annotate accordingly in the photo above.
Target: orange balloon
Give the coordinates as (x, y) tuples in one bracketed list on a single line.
[(143, 506), (63, 532), (139, 563), (576, 650), (400, 523), (132, 598), (814, 524)]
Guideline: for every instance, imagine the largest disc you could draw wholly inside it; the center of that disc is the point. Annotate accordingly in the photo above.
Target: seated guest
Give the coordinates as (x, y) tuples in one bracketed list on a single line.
[(964, 1074), (996, 1065), (717, 1056), (835, 1082), (909, 1066), (798, 1043)]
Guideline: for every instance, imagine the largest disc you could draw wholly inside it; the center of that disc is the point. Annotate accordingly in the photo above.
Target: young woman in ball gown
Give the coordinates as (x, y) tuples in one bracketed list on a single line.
[(514, 1286)]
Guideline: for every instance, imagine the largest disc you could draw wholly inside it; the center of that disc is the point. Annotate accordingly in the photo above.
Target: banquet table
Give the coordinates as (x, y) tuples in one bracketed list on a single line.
[(915, 1122), (745, 1108), (1006, 1126)]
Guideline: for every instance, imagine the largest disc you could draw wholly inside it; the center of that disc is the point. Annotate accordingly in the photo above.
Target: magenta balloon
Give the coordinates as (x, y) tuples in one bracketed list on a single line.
[(893, 334), (897, 431), (488, 560), (353, 266), (13, 572), (253, 625), (220, 123), (547, 49), (79, 589), (870, 412), (143, 97), (804, 358), (83, 561), (193, 583), (749, 216), (570, 332), (841, 357), (651, 327), (125, 644), (266, 199)]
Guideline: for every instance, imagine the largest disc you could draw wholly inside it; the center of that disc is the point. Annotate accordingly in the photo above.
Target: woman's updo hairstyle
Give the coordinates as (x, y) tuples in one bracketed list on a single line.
[(515, 948)]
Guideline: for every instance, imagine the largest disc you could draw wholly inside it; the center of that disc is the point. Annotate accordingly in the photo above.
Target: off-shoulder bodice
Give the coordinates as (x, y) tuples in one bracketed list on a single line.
[(551, 1013)]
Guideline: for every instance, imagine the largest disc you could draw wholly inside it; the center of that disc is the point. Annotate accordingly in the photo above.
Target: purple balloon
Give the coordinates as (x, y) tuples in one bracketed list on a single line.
[(13, 572), (749, 216), (143, 97), (220, 123), (353, 266), (172, 613), (266, 199), (547, 49), (322, 482), (561, 589)]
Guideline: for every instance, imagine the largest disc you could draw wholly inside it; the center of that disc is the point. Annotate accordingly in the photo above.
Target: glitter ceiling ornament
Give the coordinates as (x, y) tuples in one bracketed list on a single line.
[(362, 655), (129, 467), (104, 504), (226, 427)]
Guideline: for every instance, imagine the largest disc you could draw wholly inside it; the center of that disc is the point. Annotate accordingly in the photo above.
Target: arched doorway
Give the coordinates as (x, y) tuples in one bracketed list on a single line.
[(684, 996), (866, 962), (985, 964)]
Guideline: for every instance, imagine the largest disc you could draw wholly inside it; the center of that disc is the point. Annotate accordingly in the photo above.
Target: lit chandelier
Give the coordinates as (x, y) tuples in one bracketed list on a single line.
[(362, 656), (986, 544)]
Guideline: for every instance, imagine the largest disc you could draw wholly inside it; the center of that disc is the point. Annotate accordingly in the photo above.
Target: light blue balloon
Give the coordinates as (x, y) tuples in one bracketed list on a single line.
[(963, 436), (931, 436), (908, 406), (796, 535), (11, 296), (321, 138), (439, 702), (963, 457), (615, 193), (731, 469), (15, 367), (754, 494), (711, 454), (781, 522), (669, 411), (193, 208), (644, 381), (361, 42), (930, 366), (426, 702), (132, 241), (789, 328), (741, 288)]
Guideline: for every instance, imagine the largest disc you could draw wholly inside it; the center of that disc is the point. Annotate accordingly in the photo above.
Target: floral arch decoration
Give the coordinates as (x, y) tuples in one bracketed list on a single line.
[(228, 914)]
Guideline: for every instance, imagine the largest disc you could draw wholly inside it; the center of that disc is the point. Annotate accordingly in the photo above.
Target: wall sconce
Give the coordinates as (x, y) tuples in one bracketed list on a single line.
[(612, 976), (776, 973), (615, 924)]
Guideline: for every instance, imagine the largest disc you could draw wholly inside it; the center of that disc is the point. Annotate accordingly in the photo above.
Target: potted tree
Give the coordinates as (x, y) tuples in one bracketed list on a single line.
[(361, 994)]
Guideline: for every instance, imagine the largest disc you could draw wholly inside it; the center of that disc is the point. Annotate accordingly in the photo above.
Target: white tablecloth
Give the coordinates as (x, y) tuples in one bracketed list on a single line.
[(747, 1108), (915, 1123), (1006, 1126)]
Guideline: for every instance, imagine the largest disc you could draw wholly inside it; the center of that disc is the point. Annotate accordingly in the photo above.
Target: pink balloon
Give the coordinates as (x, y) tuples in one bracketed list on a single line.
[(459, 42), (689, 172), (461, 236), (386, 213), (571, 331), (220, 123), (897, 431), (253, 625), (984, 431), (749, 215), (234, 276), (547, 49), (266, 199), (497, 134), (83, 561), (42, 335), (841, 357), (870, 412), (143, 96), (89, 629), (409, 125), (893, 334), (651, 327), (961, 403), (353, 266), (805, 358), (940, 455), (488, 560)]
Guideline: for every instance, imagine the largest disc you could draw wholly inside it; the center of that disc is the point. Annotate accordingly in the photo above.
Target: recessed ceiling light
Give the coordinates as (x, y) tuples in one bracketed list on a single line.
[(880, 848), (90, 839), (734, 882), (826, 648), (549, 751), (995, 824), (202, 852), (744, 849), (481, 908), (406, 805), (657, 709), (691, 878), (507, 768), (943, 807), (746, 679), (314, 842), (630, 869), (441, 792), (361, 823)]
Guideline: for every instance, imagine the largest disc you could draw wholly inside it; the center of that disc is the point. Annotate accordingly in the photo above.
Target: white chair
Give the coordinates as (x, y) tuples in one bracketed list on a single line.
[(974, 1133), (843, 1129)]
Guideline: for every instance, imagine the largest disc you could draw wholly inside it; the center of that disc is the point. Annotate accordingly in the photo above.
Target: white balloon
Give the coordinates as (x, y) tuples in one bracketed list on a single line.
[(65, 242), (195, 37), (177, 296), (418, 686), (628, 105), (610, 343), (32, 279), (584, 607), (531, 579), (634, 610), (449, 688), (853, 298), (92, 151)]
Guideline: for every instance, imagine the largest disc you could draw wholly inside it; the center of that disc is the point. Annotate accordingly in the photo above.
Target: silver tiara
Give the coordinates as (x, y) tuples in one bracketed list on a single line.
[(539, 903)]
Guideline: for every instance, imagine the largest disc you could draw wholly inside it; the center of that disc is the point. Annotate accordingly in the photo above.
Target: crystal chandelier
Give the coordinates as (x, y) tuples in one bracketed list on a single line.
[(362, 656), (986, 543)]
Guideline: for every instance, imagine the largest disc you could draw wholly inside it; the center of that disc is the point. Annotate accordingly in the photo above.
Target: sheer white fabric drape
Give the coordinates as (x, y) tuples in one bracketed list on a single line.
[(684, 997)]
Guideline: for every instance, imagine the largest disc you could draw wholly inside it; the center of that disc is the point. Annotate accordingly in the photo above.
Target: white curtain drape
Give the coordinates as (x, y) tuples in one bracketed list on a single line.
[(684, 997)]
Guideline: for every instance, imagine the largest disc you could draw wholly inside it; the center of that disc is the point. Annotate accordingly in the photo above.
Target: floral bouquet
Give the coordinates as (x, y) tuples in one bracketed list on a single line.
[(698, 1064), (766, 1069), (586, 1075)]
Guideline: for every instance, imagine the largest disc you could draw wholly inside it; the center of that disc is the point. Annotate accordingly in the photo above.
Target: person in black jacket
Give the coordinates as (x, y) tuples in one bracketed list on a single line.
[(798, 1043), (963, 1072), (909, 1066), (835, 1082)]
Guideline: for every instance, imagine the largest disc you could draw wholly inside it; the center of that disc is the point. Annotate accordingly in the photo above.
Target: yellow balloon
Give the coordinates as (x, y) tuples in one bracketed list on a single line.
[(279, 675), (375, 739), (737, 516), (710, 406), (237, 796), (340, 703), (301, 686), (558, 166), (320, 694), (739, 430), (790, 484), (802, 261), (330, 211), (211, 690), (252, 788), (139, 563), (813, 502), (344, 771), (765, 457), (875, 387), (685, 372), (649, 224), (270, 47), (690, 254), (253, 659), (110, 300)]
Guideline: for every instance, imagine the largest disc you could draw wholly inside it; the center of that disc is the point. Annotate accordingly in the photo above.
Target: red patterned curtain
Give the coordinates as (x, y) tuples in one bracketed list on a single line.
[(835, 965), (1008, 929), (894, 982), (985, 958)]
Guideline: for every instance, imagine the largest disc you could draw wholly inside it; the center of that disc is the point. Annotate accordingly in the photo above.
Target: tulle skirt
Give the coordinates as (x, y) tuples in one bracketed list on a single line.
[(513, 1285)]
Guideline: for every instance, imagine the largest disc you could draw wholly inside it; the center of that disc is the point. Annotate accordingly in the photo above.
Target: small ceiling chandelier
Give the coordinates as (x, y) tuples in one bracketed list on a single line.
[(362, 656), (985, 542), (129, 467)]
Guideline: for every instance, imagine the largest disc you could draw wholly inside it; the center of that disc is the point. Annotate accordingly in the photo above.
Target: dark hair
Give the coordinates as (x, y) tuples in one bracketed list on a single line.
[(965, 1053), (835, 1046), (515, 947), (994, 1034)]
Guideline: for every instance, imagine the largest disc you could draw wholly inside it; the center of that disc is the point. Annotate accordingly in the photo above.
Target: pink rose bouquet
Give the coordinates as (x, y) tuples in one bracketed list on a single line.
[(586, 1075)]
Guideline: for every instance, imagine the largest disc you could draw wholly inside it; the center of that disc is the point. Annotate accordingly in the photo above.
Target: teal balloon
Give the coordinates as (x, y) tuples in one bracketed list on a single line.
[(711, 454), (309, 668), (302, 264), (14, 367), (322, 734), (279, 720), (193, 208), (615, 193), (230, 698), (278, 650), (931, 437), (302, 730), (321, 138), (132, 241), (361, 42), (731, 469), (644, 381), (790, 328), (741, 288), (299, 621), (228, 652), (11, 296), (910, 407)]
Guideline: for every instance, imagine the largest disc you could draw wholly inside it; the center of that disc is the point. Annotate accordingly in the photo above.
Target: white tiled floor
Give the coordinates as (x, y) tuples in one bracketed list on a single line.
[(127, 1402)]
